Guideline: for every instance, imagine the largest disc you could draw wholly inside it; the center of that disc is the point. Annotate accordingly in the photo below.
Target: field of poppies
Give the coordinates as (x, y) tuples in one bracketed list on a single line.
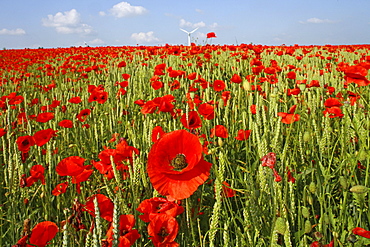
[(210, 145)]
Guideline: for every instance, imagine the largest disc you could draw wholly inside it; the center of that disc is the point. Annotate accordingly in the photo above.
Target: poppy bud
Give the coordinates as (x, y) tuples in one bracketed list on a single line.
[(220, 142), (307, 227), (280, 225), (305, 212), (343, 182), (246, 85), (302, 86), (310, 199), (307, 136), (359, 189), (312, 187)]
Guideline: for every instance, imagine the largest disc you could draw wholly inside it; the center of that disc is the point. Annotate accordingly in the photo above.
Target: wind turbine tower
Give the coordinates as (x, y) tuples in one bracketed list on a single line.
[(189, 33)]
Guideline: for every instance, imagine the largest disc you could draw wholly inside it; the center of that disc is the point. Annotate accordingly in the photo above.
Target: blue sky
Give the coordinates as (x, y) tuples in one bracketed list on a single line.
[(54, 23)]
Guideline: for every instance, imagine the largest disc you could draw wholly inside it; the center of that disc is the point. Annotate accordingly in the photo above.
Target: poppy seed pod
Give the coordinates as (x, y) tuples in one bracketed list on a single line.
[(359, 189), (280, 225)]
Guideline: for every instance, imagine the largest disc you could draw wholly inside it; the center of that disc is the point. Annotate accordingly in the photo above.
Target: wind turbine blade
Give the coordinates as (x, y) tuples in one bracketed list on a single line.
[(184, 30), (194, 30)]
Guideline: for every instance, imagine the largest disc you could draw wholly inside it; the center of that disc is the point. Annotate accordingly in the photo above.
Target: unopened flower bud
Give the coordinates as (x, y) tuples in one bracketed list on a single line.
[(359, 189)]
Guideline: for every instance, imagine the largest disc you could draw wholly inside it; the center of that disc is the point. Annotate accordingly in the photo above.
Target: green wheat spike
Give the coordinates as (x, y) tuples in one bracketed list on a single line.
[(247, 222), (98, 227), (115, 223), (301, 150), (293, 209), (274, 144), (65, 236), (226, 237), (215, 218), (117, 175)]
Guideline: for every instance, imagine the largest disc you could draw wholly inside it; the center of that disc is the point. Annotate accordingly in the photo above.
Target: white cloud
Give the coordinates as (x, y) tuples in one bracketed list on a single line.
[(144, 37), (102, 13), (317, 21), (67, 22), (96, 42), (124, 9), (188, 24), (199, 11), (199, 36), (18, 31), (214, 26)]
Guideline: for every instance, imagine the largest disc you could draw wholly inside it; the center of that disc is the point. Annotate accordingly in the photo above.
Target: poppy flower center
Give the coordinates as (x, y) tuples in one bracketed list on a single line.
[(179, 162), (163, 233)]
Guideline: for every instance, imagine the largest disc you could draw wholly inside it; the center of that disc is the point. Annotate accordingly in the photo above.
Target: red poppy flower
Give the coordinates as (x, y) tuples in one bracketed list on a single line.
[(289, 118), (139, 102), (42, 233), (83, 176), (269, 160), (157, 85), (163, 230), (44, 117), (253, 109), (225, 97), (99, 96), (192, 76), (294, 91), (126, 76), (191, 120), (14, 99), (218, 85), (361, 232), (2, 132), (227, 191), (290, 176), (43, 136), (330, 102), (83, 115), (75, 100), (24, 143), (243, 135), (149, 107), (127, 235), (211, 35), (60, 189), (158, 205), (66, 123), (37, 173), (219, 131), (318, 244), (176, 167), (161, 104), (105, 206), (291, 75), (174, 85), (121, 64), (356, 74), (207, 111), (125, 152), (70, 166), (313, 83), (236, 79), (333, 112), (157, 133), (353, 97)]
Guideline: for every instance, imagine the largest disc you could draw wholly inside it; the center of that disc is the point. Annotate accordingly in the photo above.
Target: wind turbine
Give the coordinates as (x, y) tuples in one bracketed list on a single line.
[(189, 33)]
